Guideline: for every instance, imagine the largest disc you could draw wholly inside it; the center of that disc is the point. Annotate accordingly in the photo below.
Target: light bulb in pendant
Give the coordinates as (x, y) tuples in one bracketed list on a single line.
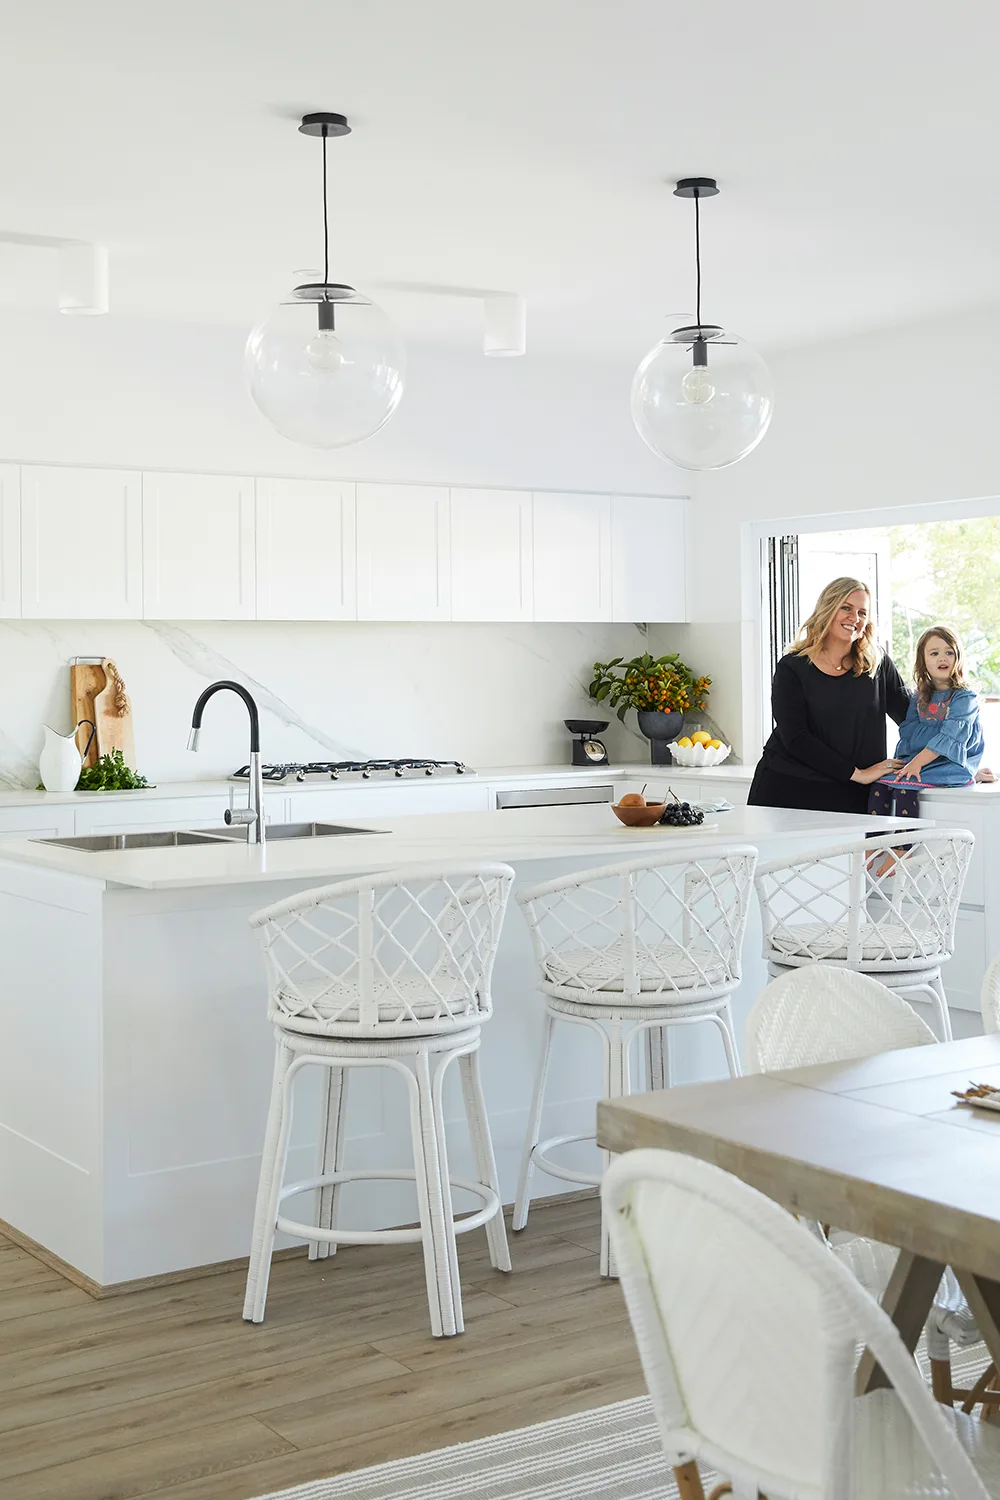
[(696, 386), (325, 353)]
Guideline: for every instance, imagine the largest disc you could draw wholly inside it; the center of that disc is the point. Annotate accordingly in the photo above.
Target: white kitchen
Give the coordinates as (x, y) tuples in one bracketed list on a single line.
[(369, 521)]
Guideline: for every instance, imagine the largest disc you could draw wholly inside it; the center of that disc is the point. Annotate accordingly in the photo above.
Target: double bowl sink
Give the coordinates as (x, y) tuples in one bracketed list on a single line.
[(102, 843)]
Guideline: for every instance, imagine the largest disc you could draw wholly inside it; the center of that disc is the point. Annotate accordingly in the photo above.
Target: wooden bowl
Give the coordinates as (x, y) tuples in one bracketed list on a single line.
[(639, 817)]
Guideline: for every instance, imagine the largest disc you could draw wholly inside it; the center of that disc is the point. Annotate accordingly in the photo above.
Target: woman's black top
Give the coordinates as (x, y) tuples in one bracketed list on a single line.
[(825, 727)]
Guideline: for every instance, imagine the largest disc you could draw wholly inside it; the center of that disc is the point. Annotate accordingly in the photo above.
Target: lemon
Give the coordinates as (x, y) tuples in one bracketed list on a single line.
[(684, 744), (715, 744), (701, 738)]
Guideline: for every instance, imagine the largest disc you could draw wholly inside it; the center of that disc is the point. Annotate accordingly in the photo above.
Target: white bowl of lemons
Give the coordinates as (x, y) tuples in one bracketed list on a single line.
[(699, 749)]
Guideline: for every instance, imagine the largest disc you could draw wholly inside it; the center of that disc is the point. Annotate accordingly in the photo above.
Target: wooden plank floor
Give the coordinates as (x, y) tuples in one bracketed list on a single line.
[(167, 1391)]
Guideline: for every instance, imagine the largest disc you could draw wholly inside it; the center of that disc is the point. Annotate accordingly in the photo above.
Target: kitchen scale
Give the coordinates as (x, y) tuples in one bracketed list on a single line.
[(588, 751)]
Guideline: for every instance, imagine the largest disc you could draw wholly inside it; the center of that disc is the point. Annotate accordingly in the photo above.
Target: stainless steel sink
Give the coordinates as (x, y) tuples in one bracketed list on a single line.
[(101, 843), (275, 831)]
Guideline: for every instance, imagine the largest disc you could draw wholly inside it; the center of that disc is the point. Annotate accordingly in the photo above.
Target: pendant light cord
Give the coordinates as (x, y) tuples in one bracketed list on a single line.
[(326, 222), (697, 256)]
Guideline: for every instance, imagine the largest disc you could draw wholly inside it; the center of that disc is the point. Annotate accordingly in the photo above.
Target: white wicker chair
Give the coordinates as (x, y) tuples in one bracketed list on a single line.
[(389, 971), (628, 950), (822, 1014), (990, 998), (747, 1328), (832, 906)]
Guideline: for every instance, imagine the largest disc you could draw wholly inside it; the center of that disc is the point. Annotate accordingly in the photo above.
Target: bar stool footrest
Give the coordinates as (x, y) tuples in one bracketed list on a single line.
[(338, 1236)]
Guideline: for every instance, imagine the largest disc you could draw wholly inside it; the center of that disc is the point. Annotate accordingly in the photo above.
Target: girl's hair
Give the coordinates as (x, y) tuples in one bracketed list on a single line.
[(921, 676), (864, 651)]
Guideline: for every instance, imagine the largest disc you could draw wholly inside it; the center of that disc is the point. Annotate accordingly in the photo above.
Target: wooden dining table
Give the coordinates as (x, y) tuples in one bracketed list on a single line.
[(878, 1146)]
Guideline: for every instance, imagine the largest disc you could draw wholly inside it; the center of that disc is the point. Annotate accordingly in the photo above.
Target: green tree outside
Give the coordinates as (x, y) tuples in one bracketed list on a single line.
[(948, 572)]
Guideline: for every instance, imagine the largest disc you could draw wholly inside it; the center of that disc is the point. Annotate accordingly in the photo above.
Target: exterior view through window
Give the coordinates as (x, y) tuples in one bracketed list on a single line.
[(936, 572)]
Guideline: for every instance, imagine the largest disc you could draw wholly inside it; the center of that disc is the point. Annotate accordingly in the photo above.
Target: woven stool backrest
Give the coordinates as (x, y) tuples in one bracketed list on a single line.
[(871, 902), (665, 925), (411, 948)]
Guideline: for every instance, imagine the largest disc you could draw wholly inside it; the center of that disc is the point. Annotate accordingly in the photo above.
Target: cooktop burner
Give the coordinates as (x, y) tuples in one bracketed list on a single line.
[(355, 770)]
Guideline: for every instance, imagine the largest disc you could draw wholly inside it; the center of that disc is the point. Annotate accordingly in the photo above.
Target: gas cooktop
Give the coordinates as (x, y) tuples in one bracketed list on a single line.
[(355, 770)]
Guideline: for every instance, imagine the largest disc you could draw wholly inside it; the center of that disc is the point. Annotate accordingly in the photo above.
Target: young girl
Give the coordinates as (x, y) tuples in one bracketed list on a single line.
[(941, 738)]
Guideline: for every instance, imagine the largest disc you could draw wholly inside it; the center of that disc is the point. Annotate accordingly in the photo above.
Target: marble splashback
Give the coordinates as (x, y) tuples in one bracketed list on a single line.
[(486, 694)]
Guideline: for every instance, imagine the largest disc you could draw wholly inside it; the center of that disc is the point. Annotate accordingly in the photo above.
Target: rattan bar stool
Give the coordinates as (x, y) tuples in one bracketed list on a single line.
[(628, 951), (388, 971)]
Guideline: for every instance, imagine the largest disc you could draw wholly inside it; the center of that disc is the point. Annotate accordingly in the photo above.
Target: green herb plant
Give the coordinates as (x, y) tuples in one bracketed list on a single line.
[(110, 774)]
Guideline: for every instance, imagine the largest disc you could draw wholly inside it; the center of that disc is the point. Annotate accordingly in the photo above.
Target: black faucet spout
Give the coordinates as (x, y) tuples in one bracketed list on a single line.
[(241, 691)]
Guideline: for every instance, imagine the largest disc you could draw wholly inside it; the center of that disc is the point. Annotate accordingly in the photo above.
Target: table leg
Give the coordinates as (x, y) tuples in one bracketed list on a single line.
[(908, 1299), (983, 1296)]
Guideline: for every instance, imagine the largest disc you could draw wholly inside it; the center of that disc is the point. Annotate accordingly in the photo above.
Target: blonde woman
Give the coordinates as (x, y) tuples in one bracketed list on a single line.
[(830, 697)]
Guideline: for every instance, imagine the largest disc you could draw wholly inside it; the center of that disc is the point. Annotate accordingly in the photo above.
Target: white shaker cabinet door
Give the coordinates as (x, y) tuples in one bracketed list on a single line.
[(403, 546), (491, 555), (306, 559), (572, 556), (10, 541), (649, 564), (81, 544), (197, 547)]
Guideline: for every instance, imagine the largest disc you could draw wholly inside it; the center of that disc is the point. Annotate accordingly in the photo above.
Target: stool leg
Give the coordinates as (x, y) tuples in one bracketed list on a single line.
[(724, 1020), (657, 1058), (272, 1170), (523, 1199), (333, 1124), (941, 1003), (434, 1194), (482, 1149), (616, 1086)]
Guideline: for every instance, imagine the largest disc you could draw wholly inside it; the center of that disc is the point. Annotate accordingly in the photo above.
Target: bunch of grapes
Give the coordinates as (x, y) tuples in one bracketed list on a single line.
[(679, 814)]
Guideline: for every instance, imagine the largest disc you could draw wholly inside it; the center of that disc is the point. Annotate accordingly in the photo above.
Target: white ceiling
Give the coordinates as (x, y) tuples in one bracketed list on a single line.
[(523, 145)]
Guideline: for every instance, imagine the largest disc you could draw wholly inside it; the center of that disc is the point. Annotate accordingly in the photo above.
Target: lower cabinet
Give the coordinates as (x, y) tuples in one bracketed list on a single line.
[(38, 822), (148, 815), (358, 803)]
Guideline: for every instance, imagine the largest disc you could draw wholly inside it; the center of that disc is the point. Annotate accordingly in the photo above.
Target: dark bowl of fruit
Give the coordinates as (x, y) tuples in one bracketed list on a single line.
[(635, 812)]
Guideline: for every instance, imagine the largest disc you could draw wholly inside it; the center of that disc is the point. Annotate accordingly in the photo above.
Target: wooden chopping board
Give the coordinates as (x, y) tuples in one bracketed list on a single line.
[(98, 693)]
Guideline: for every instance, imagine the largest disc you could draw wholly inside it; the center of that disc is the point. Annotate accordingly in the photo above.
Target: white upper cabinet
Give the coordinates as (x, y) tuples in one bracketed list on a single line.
[(81, 544), (572, 556), (649, 562), (197, 547), (306, 562), (491, 546), (10, 542), (403, 564)]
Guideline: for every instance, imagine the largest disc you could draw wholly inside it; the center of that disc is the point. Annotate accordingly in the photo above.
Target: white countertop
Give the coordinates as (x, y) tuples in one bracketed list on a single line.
[(494, 775), (511, 836)]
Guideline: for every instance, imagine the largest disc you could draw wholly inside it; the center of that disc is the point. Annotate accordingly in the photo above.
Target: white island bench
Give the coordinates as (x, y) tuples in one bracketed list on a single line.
[(136, 1056)]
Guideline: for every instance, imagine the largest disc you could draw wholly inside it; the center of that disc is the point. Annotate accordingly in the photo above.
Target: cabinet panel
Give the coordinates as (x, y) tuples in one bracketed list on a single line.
[(148, 814), (491, 546), (648, 560), (198, 547), (963, 973), (354, 804), (10, 541), (81, 541), (306, 557), (39, 821), (572, 556), (403, 552)]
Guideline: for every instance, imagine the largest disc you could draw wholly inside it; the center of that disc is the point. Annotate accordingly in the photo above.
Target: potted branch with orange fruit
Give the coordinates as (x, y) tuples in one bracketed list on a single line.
[(661, 689)]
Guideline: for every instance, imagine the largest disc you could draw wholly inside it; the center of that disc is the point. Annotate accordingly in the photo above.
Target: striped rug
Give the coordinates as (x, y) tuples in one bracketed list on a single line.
[(612, 1453)]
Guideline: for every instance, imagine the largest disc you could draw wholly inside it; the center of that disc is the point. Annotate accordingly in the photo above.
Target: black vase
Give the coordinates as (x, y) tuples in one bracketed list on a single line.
[(660, 730)]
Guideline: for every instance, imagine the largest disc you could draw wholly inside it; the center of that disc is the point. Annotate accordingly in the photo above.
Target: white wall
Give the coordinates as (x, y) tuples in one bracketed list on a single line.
[(902, 418), (163, 395)]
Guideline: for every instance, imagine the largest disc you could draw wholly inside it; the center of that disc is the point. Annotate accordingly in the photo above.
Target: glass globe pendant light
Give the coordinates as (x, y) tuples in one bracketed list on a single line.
[(326, 366), (702, 398)]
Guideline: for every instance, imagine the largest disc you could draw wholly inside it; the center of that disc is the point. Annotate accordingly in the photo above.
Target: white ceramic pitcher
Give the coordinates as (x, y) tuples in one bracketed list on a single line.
[(60, 762)]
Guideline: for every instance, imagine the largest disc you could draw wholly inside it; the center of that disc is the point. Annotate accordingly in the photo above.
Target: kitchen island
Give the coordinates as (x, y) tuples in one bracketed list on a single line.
[(136, 1054)]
